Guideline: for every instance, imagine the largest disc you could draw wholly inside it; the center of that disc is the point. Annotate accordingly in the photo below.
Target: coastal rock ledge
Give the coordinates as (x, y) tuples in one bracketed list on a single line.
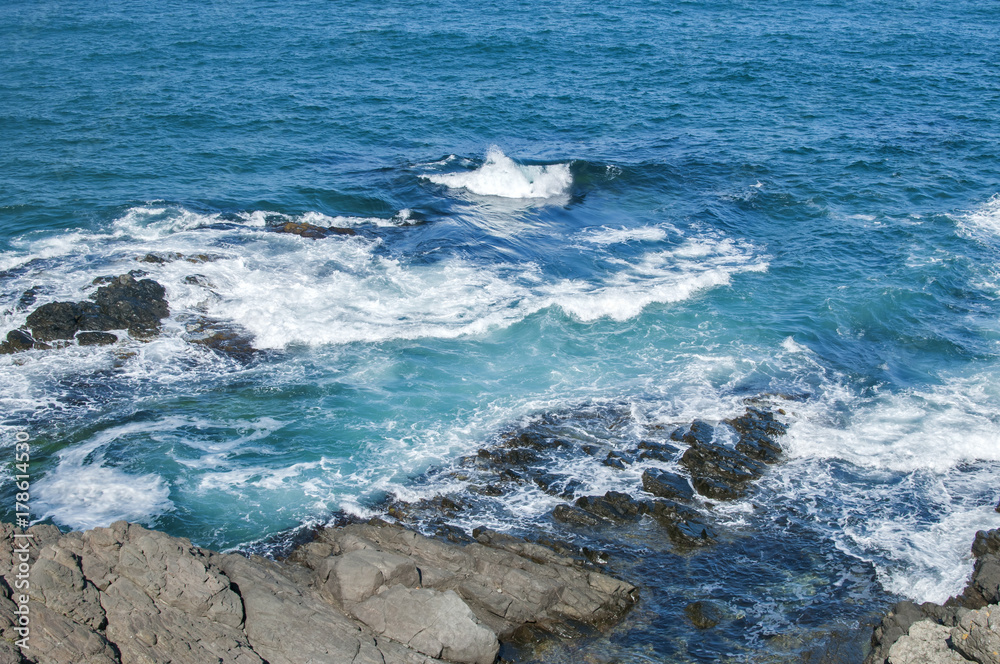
[(966, 628), (369, 593)]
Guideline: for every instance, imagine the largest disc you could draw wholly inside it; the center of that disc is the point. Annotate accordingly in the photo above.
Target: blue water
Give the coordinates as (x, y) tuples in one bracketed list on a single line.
[(661, 207)]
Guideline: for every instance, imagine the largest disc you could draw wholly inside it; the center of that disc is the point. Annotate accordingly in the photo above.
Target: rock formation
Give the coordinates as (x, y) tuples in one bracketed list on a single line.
[(122, 303), (966, 628), (364, 593)]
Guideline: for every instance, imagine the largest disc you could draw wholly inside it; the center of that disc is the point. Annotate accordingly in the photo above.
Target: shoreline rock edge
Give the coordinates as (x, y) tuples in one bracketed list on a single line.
[(365, 593)]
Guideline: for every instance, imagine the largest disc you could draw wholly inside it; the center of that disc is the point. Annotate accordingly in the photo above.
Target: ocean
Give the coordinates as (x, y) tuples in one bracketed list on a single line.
[(654, 209)]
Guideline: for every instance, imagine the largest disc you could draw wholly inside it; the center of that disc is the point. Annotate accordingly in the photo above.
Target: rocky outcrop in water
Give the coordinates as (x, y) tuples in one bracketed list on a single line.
[(311, 231), (365, 593), (122, 303), (715, 462), (965, 628)]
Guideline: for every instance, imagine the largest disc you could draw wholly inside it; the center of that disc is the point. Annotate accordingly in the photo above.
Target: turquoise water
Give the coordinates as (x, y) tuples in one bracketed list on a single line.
[(669, 207)]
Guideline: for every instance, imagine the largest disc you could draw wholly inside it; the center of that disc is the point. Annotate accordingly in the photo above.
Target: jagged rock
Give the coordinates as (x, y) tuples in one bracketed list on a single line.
[(17, 340), (575, 516), (221, 336), (716, 471), (684, 525), (666, 485), (124, 303), (61, 320), (982, 590), (504, 580), (613, 505), (977, 635), (310, 230), (96, 338), (657, 451), (159, 259), (699, 433), (28, 298), (137, 306)]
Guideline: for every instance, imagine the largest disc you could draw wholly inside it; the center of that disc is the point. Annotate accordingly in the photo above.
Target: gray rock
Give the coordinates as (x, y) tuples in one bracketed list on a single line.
[(925, 643), (977, 635), (364, 594), (357, 575), (438, 624)]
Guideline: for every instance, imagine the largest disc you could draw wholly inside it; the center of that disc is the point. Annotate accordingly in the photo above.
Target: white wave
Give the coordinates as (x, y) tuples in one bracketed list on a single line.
[(502, 176), (606, 236), (902, 432)]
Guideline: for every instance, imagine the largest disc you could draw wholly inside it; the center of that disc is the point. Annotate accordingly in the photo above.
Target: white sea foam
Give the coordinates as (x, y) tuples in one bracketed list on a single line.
[(606, 236), (903, 480), (84, 491), (501, 176), (984, 219)]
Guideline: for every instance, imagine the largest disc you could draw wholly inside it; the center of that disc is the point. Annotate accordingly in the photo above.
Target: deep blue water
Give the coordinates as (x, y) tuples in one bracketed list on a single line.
[(662, 207)]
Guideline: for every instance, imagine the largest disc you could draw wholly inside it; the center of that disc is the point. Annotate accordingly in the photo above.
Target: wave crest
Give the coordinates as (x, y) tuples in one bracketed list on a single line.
[(501, 176)]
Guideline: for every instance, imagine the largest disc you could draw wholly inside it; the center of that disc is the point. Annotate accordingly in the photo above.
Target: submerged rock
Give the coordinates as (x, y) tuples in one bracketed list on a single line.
[(703, 615), (310, 230)]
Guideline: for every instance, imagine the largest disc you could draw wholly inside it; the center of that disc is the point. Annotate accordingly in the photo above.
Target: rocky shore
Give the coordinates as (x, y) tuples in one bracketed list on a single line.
[(365, 593), (963, 629)]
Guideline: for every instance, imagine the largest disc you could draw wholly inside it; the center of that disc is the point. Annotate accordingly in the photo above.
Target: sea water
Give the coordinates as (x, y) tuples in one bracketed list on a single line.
[(663, 208)]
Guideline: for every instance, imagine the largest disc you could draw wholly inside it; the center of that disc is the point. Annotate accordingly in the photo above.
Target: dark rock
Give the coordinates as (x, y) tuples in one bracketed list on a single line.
[(222, 337), (28, 298), (556, 485), (17, 340), (666, 485), (487, 490), (124, 303), (700, 433), (760, 446), (591, 450), (574, 515), (657, 451), (717, 489), (159, 259), (137, 306), (613, 505), (60, 320), (703, 615), (614, 460), (684, 525), (198, 280), (311, 231), (718, 472), (987, 542), (96, 338), (757, 420)]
